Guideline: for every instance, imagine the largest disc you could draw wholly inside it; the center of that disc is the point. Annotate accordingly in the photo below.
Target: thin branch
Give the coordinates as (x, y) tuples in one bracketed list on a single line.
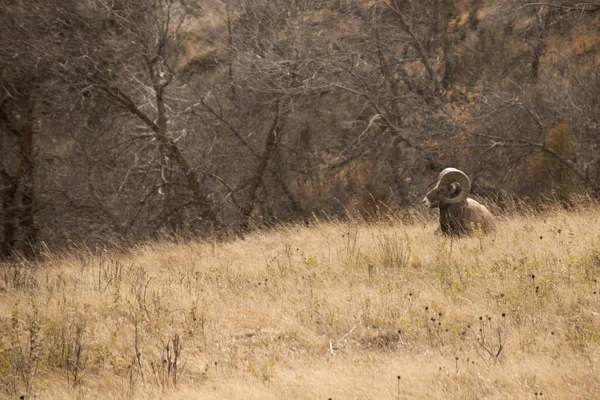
[(416, 44), (513, 142)]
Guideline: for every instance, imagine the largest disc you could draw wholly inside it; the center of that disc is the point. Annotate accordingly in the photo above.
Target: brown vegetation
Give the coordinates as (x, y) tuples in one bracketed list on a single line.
[(348, 310), (216, 199)]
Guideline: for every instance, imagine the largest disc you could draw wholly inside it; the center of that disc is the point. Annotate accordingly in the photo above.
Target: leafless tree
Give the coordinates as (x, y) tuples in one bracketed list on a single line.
[(133, 119)]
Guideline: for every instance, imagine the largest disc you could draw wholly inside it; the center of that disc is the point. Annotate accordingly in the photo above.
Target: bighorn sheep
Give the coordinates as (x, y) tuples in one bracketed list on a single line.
[(459, 214)]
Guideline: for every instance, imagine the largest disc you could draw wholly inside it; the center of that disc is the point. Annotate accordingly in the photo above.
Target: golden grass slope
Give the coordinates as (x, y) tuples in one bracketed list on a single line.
[(334, 310)]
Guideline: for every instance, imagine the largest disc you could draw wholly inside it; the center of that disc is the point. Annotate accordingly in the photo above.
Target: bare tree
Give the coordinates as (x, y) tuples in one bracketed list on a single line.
[(132, 119), (547, 117)]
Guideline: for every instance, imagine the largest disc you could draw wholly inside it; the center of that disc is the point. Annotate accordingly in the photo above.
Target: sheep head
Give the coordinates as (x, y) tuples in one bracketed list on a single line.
[(453, 186)]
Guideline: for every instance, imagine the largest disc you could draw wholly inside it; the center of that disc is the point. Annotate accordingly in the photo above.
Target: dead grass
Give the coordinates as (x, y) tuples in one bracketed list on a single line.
[(334, 310)]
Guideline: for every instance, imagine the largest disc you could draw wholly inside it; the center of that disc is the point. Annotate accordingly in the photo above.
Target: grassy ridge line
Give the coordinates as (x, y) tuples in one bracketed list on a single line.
[(333, 310)]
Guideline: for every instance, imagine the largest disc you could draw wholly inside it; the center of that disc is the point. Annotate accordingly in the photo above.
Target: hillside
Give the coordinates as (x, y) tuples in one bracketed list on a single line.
[(341, 310)]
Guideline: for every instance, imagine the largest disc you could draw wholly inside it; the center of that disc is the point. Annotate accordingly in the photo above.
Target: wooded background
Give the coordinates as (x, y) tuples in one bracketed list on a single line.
[(130, 119)]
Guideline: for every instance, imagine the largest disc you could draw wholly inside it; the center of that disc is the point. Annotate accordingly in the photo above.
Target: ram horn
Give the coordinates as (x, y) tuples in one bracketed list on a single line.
[(453, 176)]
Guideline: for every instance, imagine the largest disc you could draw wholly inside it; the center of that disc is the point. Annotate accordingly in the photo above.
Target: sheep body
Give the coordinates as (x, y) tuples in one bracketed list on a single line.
[(459, 214), (465, 217)]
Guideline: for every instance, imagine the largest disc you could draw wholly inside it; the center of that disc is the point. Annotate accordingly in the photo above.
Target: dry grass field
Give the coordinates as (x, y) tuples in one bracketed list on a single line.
[(340, 310)]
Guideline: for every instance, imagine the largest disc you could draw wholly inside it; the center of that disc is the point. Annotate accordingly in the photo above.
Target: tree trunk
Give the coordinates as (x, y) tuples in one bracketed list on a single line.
[(260, 170), (172, 152), (18, 185), (8, 197)]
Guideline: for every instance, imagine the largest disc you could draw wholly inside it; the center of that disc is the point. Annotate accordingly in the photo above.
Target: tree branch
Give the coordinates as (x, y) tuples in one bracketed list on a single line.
[(512, 142)]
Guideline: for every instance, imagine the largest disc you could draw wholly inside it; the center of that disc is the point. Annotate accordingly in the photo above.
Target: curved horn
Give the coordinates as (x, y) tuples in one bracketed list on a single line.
[(451, 176)]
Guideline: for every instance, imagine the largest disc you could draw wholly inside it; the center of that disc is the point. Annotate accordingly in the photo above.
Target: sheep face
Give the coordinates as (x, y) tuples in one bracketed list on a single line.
[(438, 195)]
